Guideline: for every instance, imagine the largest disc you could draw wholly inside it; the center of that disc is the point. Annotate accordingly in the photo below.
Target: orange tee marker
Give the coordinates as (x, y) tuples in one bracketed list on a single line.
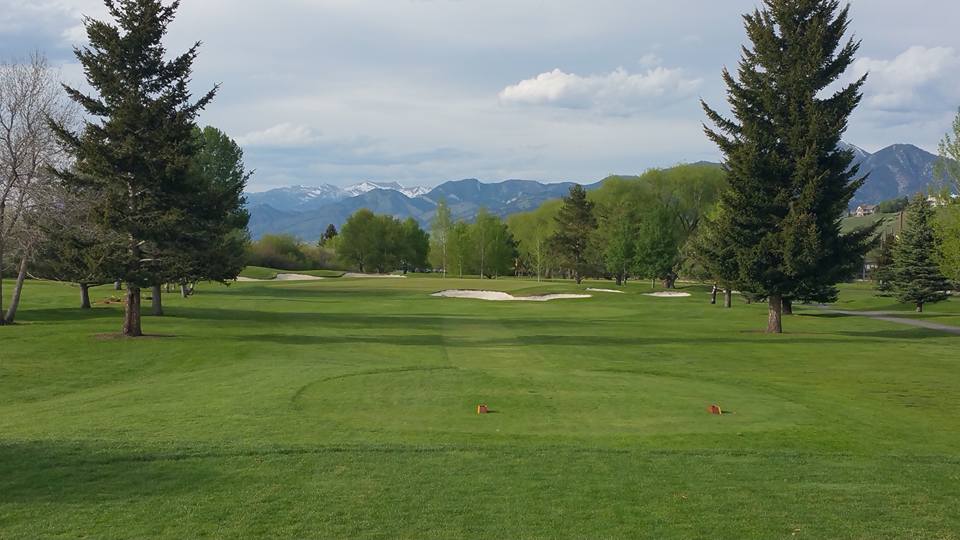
[(714, 409), (482, 409)]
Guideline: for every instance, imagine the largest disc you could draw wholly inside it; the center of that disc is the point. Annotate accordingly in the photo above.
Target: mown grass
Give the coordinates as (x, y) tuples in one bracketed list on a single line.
[(346, 408)]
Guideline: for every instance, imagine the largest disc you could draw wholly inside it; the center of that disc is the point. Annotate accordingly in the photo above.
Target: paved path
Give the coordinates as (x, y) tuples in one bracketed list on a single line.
[(890, 317)]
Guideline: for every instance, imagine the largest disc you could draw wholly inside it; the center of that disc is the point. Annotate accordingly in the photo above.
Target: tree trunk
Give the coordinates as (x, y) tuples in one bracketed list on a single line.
[(713, 296), (131, 314), (787, 306), (17, 291), (727, 298), (919, 307), (84, 296), (118, 285), (157, 300), (619, 280), (775, 316), (184, 291), (669, 282)]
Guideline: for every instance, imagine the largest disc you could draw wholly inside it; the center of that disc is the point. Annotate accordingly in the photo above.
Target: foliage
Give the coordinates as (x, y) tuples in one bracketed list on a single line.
[(789, 184), (576, 224), (883, 275), (494, 245), (136, 150), (916, 277), (893, 206), (329, 234), (286, 252), (382, 243), (948, 166), (440, 230)]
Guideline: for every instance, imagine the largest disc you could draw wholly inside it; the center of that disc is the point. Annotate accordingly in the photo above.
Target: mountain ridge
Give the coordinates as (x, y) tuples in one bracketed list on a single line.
[(894, 171)]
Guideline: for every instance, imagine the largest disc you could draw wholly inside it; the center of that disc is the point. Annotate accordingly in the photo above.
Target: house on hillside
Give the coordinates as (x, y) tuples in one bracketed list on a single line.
[(865, 210), (937, 201)]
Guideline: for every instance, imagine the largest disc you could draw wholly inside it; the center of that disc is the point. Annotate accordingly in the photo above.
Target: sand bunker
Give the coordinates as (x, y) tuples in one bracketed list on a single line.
[(666, 294), (497, 296), (605, 290), (282, 277), (297, 277), (388, 276)]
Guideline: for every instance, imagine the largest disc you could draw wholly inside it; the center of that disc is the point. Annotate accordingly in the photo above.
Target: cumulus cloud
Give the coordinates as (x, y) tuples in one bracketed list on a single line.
[(286, 134), (917, 79), (617, 92)]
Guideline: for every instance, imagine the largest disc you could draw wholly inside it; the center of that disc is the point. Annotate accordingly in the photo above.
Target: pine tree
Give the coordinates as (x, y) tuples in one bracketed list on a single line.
[(138, 154), (916, 274), (576, 225), (329, 234), (883, 275), (789, 184)]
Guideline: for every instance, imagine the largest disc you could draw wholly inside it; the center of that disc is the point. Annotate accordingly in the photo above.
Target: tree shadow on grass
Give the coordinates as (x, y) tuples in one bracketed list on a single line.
[(77, 472)]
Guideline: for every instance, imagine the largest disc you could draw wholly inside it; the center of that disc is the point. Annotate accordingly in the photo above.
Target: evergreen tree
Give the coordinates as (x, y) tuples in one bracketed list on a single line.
[(916, 275), (329, 234), (789, 184), (138, 147), (212, 245), (883, 275), (576, 224)]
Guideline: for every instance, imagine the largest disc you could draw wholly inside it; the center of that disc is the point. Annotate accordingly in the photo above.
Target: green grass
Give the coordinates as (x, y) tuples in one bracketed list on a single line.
[(346, 408)]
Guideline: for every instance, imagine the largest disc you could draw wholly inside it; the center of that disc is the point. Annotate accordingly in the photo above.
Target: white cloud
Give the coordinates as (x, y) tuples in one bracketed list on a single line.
[(281, 135), (913, 80), (617, 92)]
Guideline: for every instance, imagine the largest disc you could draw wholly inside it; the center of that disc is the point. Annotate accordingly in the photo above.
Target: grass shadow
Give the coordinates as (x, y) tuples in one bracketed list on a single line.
[(49, 472)]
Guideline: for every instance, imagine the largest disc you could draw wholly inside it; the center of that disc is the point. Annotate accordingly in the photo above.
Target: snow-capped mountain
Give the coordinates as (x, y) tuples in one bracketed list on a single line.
[(305, 198), (366, 187)]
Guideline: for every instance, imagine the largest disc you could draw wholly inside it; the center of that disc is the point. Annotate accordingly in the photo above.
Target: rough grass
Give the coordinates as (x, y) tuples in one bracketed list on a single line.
[(346, 408)]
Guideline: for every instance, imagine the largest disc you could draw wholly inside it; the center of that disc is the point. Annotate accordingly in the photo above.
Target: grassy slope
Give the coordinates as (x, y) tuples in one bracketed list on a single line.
[(346, 409)]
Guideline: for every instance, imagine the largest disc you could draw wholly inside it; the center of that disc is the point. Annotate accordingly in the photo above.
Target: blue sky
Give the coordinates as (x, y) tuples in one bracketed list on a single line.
[(424, 91)]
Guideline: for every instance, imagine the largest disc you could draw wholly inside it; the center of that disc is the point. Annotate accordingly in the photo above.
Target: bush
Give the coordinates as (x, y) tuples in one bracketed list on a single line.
[(286, 252)]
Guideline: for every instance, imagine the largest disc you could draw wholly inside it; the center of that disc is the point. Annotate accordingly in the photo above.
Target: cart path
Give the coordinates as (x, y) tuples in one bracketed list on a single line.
[(891, 317)]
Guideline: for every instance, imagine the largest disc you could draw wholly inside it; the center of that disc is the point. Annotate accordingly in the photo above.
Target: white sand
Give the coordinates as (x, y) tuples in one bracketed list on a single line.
[(297, 277), (357, 275), (605, 290), (669, 294), (282, 277), (497, 296)]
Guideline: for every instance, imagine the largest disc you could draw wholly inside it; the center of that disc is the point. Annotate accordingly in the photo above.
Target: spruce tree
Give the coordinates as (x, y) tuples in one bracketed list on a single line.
[(789, 183), (137, 148), (576, 224), (916, 274)]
